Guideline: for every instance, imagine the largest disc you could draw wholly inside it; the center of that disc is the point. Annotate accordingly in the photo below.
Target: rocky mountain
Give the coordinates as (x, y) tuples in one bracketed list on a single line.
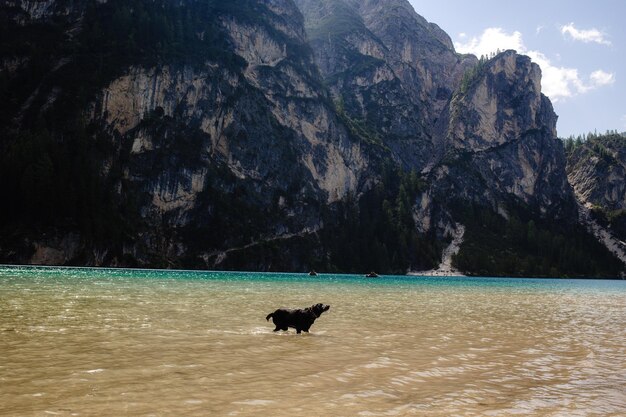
[(275, 135), (229, 142), (391, 71), (596, 168)]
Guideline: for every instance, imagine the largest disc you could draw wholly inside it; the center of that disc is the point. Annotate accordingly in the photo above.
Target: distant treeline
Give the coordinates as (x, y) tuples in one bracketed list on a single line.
[(377, 232), (526, 246), (572, 142)]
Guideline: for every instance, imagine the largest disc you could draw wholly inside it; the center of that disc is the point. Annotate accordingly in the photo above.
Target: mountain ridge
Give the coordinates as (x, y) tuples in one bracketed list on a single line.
[(268, 135)]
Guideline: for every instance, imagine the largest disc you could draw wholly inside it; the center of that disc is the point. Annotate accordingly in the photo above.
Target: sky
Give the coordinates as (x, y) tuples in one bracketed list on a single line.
[(580, 46)]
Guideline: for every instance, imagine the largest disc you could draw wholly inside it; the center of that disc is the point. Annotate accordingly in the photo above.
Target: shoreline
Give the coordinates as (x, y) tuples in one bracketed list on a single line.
[(445, 268), (436, 273), (428, 273)]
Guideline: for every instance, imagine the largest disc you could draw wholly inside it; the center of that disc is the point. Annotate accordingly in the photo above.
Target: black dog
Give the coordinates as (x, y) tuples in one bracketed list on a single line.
[(300, 319)]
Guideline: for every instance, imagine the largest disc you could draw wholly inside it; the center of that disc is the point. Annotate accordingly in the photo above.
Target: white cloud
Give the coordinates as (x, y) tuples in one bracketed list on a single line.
[(490, 41), (557, 82), (539, 29), (585, 35), (601, 78)]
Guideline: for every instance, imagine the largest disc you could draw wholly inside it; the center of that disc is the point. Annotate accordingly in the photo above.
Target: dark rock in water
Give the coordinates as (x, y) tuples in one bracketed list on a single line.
[(372, 275)]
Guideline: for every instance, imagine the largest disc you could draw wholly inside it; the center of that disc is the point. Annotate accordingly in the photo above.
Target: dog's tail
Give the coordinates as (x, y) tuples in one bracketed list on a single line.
[(268, 316)]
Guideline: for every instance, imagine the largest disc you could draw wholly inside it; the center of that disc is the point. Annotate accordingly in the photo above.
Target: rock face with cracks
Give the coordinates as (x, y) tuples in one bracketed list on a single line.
[(596, 169), (503, 130)]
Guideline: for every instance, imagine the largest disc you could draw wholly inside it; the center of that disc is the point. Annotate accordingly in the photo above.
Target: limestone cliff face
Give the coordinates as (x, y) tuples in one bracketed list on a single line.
[(597, 170), (391, 70), (490, 139), (267, 129), (501, 130), (277, 84), (26, 12), (256, 143), (502, 101)]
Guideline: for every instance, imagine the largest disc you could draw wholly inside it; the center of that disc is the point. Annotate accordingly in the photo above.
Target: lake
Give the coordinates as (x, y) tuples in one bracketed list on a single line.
[(80, 341)]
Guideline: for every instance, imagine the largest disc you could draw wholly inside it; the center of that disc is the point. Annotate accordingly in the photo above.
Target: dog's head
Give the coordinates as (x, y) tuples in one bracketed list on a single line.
[(318, 309)]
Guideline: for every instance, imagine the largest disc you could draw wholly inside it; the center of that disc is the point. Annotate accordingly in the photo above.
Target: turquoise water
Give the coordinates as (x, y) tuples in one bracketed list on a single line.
[(42, 272), (82, 341)]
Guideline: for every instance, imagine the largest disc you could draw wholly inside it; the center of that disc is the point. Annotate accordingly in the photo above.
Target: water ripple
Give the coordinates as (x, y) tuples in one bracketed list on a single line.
[(119, 342)]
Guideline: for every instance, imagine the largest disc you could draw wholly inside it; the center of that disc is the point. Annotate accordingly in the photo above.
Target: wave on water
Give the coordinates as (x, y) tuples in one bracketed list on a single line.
[(123, 342)]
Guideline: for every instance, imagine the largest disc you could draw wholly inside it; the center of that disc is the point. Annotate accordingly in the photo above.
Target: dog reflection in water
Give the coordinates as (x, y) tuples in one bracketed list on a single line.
[(300, 319)]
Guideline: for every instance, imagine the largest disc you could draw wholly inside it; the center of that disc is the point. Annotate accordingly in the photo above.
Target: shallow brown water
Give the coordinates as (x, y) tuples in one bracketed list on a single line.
[(94, 344)]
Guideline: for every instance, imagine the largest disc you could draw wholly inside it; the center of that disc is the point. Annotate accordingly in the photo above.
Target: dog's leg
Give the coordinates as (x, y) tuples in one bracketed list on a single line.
[(298, 331), (277, 329)]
